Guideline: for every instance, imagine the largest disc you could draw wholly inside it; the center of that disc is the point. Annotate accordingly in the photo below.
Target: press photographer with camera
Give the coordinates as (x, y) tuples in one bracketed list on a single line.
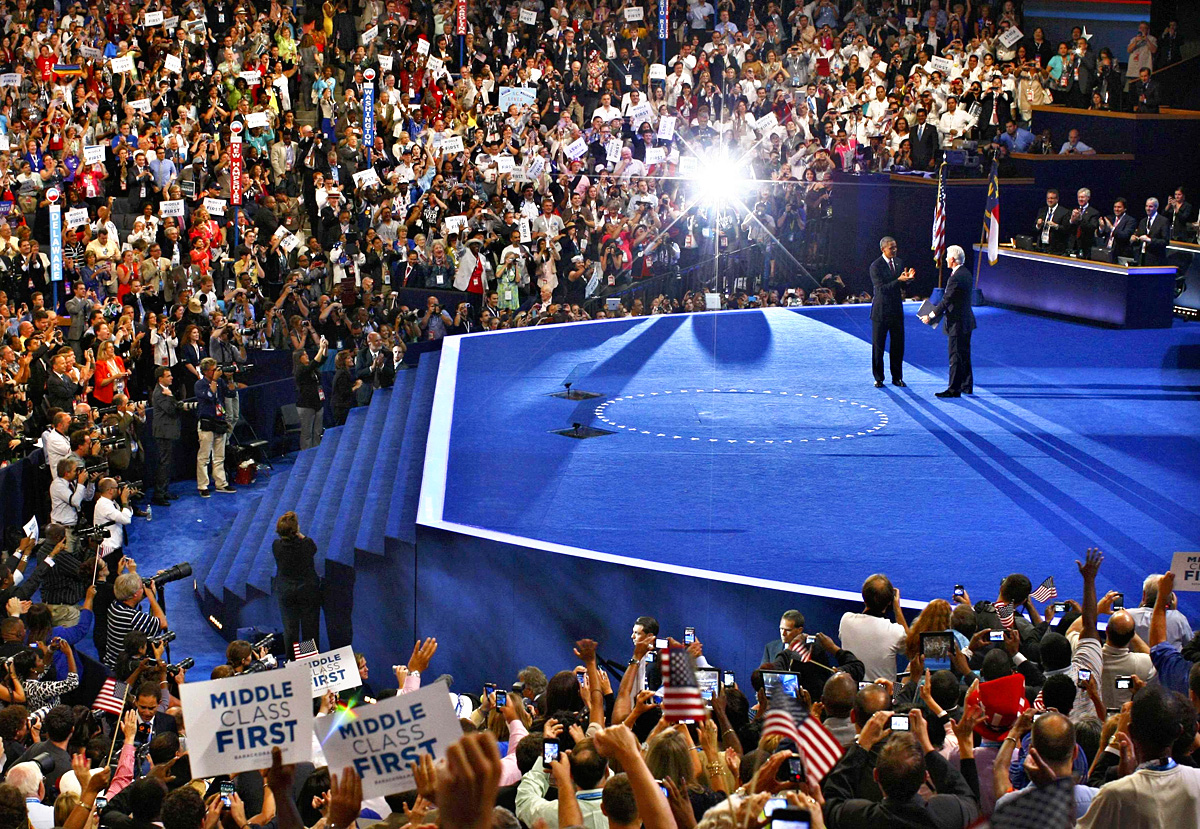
[(310, 398), (113, 513), (31, 664), (228, 347), (297, 585), (213, 428), (71, 487), (124, 614), (55, 441)]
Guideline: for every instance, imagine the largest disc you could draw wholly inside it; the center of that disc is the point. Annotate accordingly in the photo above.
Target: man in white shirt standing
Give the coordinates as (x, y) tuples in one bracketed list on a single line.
[(112, 513), (28, 780), (871, 637), (55, 442)]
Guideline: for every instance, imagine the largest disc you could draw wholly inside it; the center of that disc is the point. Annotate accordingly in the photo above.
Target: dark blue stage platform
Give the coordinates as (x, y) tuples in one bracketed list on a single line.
[(752, 467)]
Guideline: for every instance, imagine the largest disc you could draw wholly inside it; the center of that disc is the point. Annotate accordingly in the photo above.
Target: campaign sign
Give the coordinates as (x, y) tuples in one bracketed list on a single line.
[(505, 163), (1011, 37), (576, 148), (380, 741), (234, 723), (666, 127), (519, 95), (640, 114), (528, 17), (77, 216), (634, 12), (422, 46), (451, 144), (333, 671), (655, 155), (658, 71), (167, 209), (93, 154), (153, 19), (172, 63), (215, 207), (1186, 567), (535, 167), (122, 64), (943, 65), (10, 79), (370, 34), (385, 63)]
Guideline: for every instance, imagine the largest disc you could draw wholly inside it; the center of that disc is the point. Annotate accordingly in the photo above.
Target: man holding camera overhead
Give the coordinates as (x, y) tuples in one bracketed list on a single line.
[(211, 391), (227, 347), (124, 615)]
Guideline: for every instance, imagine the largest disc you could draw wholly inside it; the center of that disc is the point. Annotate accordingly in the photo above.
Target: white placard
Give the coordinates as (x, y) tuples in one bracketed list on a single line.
[(640, 114), (172, 63), (666, 127), (943, 65), (141, 104), (911, 23), (535, 167), (1186, 567), (658, 71), (76, 216), (10, 79), (435, 65), (382, 740), (31, 529), (505, 163), (153, 19), (422, 46), (257, 119), (385, 63), (655, 155), (251, 76), (333, 671), (455, 224), (289, 244), (576, 148), (767, 123), (366, 178), (370, 34), (451, 144), (234, 723), (5, 145), (612, 150), (1010, 38), (215, 207), (171, 22), (529, 17), (525, 229), (687, 165), (634, 12), (90, 53), (122, 64), (93, 154), (167, 209)]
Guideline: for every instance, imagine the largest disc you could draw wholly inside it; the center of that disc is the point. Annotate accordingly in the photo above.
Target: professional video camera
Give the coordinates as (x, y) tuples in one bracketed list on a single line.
[(170, 574), (88, 533)]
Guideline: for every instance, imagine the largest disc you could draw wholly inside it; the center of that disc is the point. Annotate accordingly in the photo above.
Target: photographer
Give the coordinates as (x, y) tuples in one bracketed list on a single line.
[(113, 513), (32, 663), (127, 457), (166, 433), (310, 398), (228, 348), (211, 390), (65, 585), (435, 322), (68, 491), (124, 615), (297, 584)]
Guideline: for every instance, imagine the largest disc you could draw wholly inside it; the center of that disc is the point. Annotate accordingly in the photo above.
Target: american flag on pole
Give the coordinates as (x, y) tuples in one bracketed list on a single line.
[(939, 216), (991, 217), (305, 649), (1006, 612), (681, 691), (788, 720), (1046, 591), (801, 648), (111, 697)]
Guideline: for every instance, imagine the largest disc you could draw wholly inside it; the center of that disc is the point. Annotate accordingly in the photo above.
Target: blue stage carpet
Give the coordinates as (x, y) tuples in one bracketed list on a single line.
[(753, 444)]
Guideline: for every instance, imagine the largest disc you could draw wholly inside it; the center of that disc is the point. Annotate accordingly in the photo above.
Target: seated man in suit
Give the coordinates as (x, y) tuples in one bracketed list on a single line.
[(1053, 224), (1114, 233), (1153, 232), (1146, 92)]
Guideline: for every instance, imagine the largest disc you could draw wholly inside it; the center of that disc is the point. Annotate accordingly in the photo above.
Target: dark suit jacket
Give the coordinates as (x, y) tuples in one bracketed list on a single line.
[(1180, 219), (1060, 234), (61, 391), (1118, 234), (1003, 110), (925, 147), (1159, 232), (166, 415), (371, 377), (953, 807), (888, 294), (1146, 96), (955, 307), (1083, 232)]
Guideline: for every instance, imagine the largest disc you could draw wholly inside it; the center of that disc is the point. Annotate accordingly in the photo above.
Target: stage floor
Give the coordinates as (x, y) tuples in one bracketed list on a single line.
[(752, 447)]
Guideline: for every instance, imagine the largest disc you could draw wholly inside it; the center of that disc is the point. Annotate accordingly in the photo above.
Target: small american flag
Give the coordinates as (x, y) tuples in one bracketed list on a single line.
[(1006, 614), (681, 692), (939, 216), (305, 649), (787, 719), (111, 697), (801, 648), (1046, 591)]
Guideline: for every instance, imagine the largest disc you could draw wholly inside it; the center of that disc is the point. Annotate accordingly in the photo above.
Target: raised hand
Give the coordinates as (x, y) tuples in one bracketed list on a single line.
[(1091, 564)]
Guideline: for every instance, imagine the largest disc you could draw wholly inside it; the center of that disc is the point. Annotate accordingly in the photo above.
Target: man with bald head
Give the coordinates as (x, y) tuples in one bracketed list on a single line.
[(1053, 741), (837, 698), (1121, 661)]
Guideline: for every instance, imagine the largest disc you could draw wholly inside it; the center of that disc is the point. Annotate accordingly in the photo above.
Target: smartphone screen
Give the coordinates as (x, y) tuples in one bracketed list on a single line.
[(501, 699), (689, 635), (791, 819), (1084, 674), (226, 792), (580, 675), (959, 590), (729, 680), (1060, 607), (1118, 602), (997, 636), (899, 722), (549, 753), (796, 769), (661, 644), (773, 805), (1124, 683), (101, 803)]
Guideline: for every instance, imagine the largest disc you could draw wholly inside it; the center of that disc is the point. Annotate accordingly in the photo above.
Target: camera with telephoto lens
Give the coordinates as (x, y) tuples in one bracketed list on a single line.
[(235, 368), (264, 643), (173, 573), (106, 410), (95, 469), (111, 443), (39, 713), (183, 665), (86, 533), (134, 492), (161, 638)]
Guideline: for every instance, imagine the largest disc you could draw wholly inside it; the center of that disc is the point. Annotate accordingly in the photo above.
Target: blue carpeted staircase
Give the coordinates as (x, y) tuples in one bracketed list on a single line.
[(355, 494)]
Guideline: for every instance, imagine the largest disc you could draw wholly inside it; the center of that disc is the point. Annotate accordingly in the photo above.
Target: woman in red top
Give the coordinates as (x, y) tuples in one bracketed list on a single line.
[(110, 375), (127, 271)]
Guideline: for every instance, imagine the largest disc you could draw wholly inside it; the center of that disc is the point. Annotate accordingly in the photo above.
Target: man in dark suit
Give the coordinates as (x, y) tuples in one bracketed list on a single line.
[(955, 307), (61, 388), (1153, 232), (1116, 232), (887, 311), (1145, 92), (995, 111), (1083, 222), (149, 717), (924, 143), (1053, 227), (373, 365), (166, 433)]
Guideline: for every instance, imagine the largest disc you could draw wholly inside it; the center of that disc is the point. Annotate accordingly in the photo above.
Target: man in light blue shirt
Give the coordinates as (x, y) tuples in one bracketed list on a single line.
[(1015, 139), (1179, 631)]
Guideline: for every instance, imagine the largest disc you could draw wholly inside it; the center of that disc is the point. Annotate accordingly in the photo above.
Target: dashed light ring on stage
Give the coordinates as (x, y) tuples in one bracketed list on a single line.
[(605, 414)]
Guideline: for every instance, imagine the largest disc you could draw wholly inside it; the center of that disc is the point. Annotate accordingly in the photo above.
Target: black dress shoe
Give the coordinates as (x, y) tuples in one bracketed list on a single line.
[(900, 383), (968, 391), (879, 384), (160, 502), (948, 393)]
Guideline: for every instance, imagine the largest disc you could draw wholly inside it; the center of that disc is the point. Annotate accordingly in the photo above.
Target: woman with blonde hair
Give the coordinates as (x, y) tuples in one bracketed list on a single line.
[(935, 618)]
